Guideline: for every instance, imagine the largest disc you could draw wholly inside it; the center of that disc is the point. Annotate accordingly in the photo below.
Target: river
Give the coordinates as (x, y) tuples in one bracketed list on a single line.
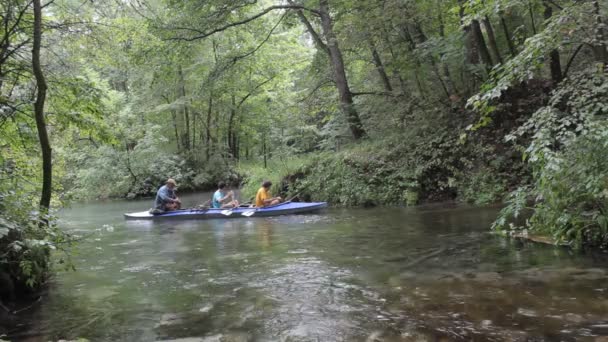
[(430, 273)]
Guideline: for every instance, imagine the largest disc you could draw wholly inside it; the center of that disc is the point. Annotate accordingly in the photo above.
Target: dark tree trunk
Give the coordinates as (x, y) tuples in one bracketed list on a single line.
[(469, 75), (237, 147), (444, 66), (315, 36), (208, 128), (481, 44), (194, 116), (554, 63), (600, 50), (174, 121), (471, 49), (174, 118), (395, 71), (505, 30), (346, 97), (492, 39), (231, 134), (380, 67), (264, 149), (417, 33), (45, 145), (420, 38), (411, 46), (182, 95), (531, 12)]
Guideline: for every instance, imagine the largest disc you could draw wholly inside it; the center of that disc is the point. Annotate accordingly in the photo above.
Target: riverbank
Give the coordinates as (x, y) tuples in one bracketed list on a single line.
[(389, 173)]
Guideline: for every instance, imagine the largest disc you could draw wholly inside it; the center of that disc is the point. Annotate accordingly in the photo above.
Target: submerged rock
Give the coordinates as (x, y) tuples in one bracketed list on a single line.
[(169, 319)]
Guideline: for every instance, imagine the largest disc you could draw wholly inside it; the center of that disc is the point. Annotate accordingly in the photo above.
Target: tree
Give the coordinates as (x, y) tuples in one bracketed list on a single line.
[(45, 145)]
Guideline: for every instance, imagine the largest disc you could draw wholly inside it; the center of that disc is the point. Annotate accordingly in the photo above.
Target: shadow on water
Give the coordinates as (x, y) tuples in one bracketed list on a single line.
[(384, 274)]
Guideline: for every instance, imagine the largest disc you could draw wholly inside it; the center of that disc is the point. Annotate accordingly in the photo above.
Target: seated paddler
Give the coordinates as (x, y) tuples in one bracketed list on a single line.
[(263, 197), (166, 199), (223, 197)]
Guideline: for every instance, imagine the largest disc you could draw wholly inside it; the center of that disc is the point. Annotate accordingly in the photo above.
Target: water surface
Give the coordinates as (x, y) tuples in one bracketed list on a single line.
[(384, 274)]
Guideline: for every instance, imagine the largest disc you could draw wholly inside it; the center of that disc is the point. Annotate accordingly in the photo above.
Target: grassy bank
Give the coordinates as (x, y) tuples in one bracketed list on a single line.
[(383, 173)]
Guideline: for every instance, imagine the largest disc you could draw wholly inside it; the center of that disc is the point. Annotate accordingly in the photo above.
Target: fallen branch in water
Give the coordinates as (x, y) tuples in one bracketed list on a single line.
[(424, 257), (29, 306)]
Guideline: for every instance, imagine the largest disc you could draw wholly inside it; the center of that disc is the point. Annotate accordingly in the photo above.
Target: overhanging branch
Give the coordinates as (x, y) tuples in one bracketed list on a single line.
[(204, 34), (377, 93)]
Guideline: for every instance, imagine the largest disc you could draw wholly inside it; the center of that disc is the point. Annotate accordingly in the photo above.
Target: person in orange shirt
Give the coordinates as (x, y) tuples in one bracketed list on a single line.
[(263, 199)]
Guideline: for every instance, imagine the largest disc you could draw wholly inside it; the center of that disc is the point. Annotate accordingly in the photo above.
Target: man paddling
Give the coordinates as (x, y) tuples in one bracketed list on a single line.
[(263, 199), (223, 198), (166, 199)]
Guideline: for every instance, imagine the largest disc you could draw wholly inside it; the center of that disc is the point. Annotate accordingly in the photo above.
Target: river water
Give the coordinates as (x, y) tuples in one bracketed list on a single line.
[(431, 273)]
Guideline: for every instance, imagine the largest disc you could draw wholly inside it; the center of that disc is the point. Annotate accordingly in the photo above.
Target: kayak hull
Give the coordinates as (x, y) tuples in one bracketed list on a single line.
[(287, 208)]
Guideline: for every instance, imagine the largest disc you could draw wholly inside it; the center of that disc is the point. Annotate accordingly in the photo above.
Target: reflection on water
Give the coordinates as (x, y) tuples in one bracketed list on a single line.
[(417, 274)]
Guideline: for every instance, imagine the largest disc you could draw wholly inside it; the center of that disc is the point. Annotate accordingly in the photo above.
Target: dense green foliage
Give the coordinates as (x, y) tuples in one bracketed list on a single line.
[(354, 102), (567, 151)]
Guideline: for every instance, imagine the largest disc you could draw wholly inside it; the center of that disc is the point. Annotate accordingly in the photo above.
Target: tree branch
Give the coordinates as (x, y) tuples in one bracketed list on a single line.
[(311, 30), (378, 93), (555, 4), (578, 49), (319, 86), (236, 58), (5, 55), (203, 34), (9, 31), (253, 90)]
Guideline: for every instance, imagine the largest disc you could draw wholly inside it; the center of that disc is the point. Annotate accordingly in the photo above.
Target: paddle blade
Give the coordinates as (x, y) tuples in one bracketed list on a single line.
[(248, 213), (226, 212)]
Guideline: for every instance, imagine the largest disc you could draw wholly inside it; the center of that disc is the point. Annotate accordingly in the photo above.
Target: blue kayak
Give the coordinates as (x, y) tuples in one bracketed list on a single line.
[(286, 208)]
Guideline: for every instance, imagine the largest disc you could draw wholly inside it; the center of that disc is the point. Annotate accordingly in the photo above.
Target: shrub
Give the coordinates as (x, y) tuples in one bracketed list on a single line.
[(569, 193)]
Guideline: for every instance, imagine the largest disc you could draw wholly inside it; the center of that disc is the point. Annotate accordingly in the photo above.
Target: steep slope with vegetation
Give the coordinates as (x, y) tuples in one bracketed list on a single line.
[(353, 102)]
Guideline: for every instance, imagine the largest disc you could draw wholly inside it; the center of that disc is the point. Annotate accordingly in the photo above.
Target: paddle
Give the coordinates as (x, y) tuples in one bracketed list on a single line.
[(248, 213), (228, 212), (204, 206)]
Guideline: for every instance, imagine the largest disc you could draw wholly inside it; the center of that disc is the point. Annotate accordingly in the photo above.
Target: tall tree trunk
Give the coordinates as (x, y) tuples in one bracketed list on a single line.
[(315, 36), (484, 53), (531, 12), (5, 46), (411, 46), (444, 65), (600, 50), (419, 38), (45, 145), (264, 149), (174, 119), (469, 75), (182, 95), (208, 128), (174, 122), (492, 39), (380, 67), (231, 135), (554, 63), (346, 97), (237, 147), (194, 116), (395, 71), (505, 29), (471, 49)]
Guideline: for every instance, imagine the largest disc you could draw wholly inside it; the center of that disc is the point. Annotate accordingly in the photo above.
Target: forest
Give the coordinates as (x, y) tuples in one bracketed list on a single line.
[(357, 103)]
